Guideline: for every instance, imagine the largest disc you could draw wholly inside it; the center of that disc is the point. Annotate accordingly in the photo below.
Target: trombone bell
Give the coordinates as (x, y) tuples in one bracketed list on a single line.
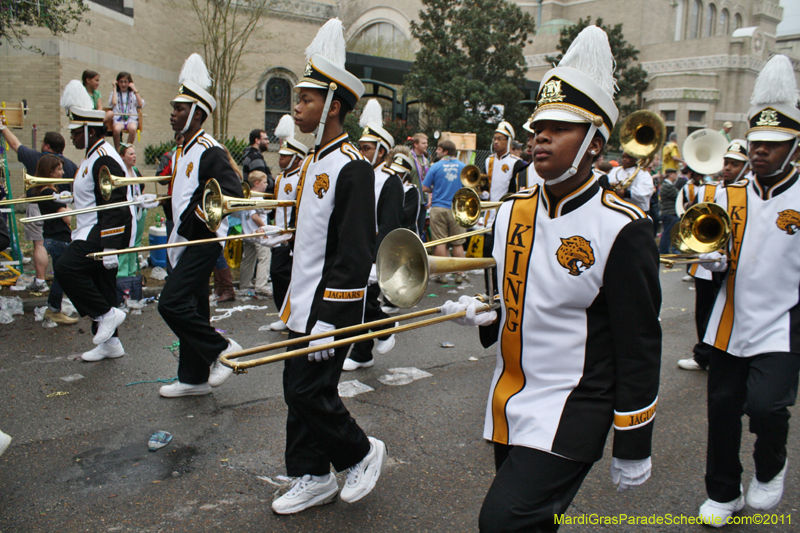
[(217, 206), (472, 177), (404, 266), (108, 182), (704, 228), (467, 207)]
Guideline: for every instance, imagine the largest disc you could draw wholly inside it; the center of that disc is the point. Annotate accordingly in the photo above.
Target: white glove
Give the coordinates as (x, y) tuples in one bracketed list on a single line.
[(275, 240), (324, 355), (110, 261), (470, 305), (629, 473), (266, 228), (63, 197), (485, 195), (147, 201), (373, 275), (715, 261)]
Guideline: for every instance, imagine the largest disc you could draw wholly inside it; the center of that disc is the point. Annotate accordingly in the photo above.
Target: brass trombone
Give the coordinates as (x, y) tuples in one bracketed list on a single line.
[(216, 205), (473, 178), (29, 183), (641, 136), (704, 228), (108, 182), (467, 207), (87, 210)]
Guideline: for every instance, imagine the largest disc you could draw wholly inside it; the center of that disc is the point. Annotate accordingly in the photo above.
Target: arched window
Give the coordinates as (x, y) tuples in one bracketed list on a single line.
[(382, 39), (724, 18), (694, 19), (680, 12), (737, 21), (710, 26), (277, 102)]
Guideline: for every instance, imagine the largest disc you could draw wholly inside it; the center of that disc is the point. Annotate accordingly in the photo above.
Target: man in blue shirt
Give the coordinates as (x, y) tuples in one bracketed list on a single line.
[(442, 182)]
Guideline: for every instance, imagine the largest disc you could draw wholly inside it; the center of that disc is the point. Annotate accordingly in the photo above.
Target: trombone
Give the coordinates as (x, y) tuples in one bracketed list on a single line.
[(87, 210), (704, 228), (473, 178), (216, 205), (641, 136), (249, 193), (108, 182), (29, 183), (467, 207)]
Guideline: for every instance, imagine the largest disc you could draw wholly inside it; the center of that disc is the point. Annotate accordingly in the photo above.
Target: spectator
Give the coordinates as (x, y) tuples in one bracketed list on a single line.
[(91, 81), (255, 257), (129, 263), (669, 216), (727, 126), (56, 232), (516, 149), (253, 160), (53, 143), (442, 181), (125, 103), (670, 154), (419, 156)]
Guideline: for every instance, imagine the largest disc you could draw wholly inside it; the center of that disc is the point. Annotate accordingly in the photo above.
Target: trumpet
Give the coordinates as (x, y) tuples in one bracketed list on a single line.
[(86, 210), (473, 178), (641, 136), (467, 207), (108, 182), (704, 228), (216, 205)]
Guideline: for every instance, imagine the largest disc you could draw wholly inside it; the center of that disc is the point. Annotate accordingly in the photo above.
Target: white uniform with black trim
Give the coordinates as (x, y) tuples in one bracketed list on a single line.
[(501, 171), (641, 189), (579, 341), (758, 307), (286, 189)]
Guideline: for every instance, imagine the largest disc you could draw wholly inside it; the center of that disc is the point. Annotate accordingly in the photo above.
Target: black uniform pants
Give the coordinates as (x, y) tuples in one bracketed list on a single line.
[(530, 490), (763, 387), (90, 286), (705, 293), (362, 351), (184, 307), (319, 428), (280, 270)]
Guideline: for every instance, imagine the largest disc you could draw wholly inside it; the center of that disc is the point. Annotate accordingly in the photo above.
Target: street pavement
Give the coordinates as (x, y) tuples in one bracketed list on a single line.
[(79, 460)]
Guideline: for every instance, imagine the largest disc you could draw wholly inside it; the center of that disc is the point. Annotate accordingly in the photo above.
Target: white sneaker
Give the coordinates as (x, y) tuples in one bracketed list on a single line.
[(361, 478), (716, 514), (278, 325), (219, 372), (383, 347), (389, 310), (178, 389), (107, 326), (687, 277), (305, 493), (350, 365), (37, 286), (765, 496), (689, 364), (104, 351), (5, 440)]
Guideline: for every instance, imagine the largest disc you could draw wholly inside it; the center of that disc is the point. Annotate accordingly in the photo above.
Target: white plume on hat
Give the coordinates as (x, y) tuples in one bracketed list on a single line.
[(590, 53), (194, 70), (75, 95), (285, 128), (775, 83), (329, 43), (372, 113)]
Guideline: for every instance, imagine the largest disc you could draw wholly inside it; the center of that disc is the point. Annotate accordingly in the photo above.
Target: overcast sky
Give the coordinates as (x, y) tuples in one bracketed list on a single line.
[(791, 17)]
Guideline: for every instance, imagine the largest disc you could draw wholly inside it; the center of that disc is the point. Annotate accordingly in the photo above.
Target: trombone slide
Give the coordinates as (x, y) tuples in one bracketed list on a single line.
[(30, 200), (87, 210)]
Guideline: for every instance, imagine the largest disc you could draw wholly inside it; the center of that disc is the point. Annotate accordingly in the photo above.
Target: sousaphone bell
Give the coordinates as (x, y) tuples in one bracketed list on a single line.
[(641, 136), (704, 151)]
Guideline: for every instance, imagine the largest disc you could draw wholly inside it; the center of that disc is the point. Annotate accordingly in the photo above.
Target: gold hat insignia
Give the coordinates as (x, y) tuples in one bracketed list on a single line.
[(551, 92), (309, 70), (769, 117)]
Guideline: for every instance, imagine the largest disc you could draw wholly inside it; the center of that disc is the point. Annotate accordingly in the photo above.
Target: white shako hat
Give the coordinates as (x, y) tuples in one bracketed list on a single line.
[(289, 145), (326, 57), (737, 149), (401, 164), (195, 81), (528, 126), (79, 106), (774, 115), (506, 129), (581, 89), (372, 122)]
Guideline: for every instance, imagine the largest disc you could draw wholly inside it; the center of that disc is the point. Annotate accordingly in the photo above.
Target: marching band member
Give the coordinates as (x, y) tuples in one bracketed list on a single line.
[(754, 326), (290, 155), (527, 176), (736, 163), (91, 285), (401, 165), (184, 300), (375, 143), (334, 247), (579, 342), (640, 190)]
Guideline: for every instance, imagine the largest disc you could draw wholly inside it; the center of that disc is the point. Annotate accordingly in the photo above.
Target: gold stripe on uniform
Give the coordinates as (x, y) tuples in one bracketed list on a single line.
[(518, 246), (635, 419), (737, 209)]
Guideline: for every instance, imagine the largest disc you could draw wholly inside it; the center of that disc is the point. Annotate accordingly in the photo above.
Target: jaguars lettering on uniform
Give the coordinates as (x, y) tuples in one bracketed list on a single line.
[(754, 312), (579, 343)]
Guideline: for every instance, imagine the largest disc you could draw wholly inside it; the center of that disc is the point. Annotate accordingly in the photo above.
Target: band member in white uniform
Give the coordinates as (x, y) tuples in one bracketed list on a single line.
[(637, 192)]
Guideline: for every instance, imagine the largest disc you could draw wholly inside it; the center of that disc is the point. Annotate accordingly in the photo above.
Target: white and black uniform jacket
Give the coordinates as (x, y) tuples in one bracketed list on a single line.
[(758, 307), (527, 178), (640, 190), (579, 342), (201, 159), (109, 228), (389, 199), (410, 207), (334, 244), (286, 189)]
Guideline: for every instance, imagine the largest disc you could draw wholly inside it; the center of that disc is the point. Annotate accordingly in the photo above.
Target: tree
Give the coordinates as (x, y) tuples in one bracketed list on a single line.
[(226, 27), (58, 16), (631, 79), (470, 62)]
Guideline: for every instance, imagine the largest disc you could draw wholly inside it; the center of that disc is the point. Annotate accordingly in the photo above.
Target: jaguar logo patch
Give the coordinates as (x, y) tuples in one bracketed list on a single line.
[(288, 188), (189, 169), (85, 171), (551, 92), (575, 254), (789, 221), (769, 117), (505, 168), (321, 185)]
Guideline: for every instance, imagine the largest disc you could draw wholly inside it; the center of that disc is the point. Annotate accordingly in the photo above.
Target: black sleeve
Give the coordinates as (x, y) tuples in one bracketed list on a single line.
[(513, 184), (353, 222), (633, 294), (5, 240), (603, 182), (411, 209), (390, 209), (521, 177), (489, 334), (115, 224)]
